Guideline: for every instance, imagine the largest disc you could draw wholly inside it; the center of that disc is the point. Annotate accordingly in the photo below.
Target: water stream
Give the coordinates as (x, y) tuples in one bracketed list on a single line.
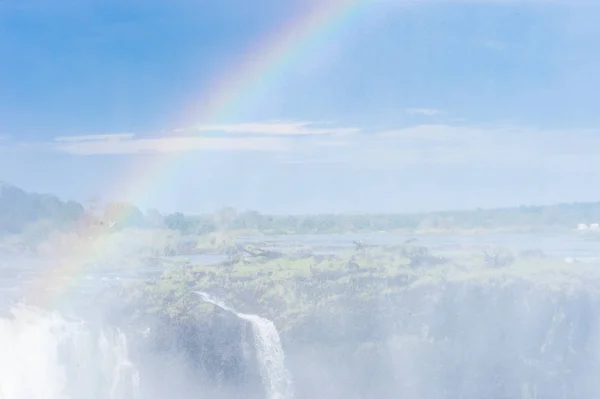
[(270, 355)]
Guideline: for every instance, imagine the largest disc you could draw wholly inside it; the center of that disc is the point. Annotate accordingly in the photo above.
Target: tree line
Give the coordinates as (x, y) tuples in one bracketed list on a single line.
[(19, 209)]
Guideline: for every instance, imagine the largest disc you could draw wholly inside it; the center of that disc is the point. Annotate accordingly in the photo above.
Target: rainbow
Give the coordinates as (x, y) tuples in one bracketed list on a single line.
[(284, 48), (227, 94), (239, 86)]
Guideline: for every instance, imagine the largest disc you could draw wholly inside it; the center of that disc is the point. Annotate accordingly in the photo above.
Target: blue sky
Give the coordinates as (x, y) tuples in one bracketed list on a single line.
[(406, 106)]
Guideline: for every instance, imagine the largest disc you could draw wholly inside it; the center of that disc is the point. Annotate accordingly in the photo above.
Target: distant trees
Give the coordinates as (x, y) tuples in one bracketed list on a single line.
[(177, 221), (19, 209), (154, 219), (123, 214), (227, 219)]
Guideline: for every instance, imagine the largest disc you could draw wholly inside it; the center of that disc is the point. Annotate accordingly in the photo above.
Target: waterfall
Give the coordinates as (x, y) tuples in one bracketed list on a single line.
[(269, 352), (44, 356), (270, 355)]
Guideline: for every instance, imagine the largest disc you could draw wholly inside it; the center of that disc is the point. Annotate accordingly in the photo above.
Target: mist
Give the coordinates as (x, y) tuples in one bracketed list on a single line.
[(299, 199), (107, 301)]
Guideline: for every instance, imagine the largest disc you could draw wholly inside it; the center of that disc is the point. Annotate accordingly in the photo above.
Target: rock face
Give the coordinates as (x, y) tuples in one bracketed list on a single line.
[(450, 339), (213, 355), (463, 329), (454, 340)]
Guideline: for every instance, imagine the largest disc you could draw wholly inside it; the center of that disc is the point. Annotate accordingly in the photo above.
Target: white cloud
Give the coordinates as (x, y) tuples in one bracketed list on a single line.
[(419, 145), (242, 136), (129, 145), (424, 111), (96, 137), (277, 129)]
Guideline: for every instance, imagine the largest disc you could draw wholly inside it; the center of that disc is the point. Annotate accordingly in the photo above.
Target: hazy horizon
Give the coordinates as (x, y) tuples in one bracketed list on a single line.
[(102, 202)]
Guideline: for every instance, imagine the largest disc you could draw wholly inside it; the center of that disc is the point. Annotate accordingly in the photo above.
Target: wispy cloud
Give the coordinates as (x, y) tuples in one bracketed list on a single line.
[(278, 129), (424, 111), (96, 137), (267, 136), (418, 145), (132, 145)]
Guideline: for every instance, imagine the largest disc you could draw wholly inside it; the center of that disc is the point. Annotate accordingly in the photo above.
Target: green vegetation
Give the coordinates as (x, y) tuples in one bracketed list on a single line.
[(525, 218), (287, 288), (514, 324), (23, 212), (37, 214), (39, 222)]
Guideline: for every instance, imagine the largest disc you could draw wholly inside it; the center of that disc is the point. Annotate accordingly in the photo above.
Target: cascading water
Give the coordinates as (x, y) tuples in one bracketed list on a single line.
[(44, 356), (271, 359)]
